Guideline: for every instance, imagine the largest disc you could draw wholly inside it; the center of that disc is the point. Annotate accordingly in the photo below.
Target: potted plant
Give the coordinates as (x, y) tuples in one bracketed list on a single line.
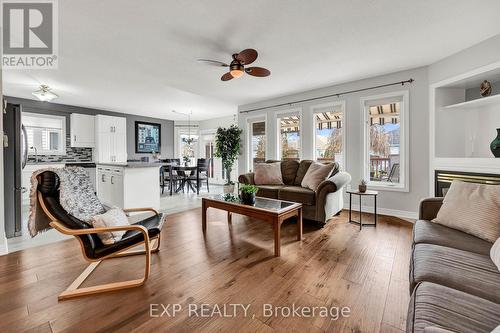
[(362, 186), (227, 147), (186, 159), (248, 194)]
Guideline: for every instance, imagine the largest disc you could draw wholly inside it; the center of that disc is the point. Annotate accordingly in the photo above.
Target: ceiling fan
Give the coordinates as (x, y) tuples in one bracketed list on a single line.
[(237, 65)]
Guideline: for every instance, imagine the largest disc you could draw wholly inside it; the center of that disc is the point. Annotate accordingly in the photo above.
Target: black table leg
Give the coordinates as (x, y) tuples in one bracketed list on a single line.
[(350, 207), (360, 221), (375, 198), (197, 182), (171, 179)]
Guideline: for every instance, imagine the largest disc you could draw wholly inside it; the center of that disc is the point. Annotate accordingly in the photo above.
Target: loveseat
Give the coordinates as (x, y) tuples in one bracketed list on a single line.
[(318, 206), (455, 286)]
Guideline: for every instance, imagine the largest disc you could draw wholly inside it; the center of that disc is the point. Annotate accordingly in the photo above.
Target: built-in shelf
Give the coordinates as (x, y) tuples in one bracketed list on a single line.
[(474, 104)]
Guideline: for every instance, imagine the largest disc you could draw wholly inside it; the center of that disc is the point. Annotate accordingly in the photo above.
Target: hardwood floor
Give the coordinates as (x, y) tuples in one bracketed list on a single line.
[(337, 266)]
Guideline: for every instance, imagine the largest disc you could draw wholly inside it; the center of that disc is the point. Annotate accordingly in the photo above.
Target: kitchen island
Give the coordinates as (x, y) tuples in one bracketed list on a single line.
[(129, 185)]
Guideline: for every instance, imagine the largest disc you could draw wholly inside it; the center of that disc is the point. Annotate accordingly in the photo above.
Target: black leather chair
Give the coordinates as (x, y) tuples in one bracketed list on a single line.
[(145, 232)]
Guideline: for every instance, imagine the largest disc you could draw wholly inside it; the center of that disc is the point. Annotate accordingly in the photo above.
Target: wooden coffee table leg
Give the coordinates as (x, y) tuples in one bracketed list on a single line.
[(299, 224), (277, 237), (204, 215), (229, 217)]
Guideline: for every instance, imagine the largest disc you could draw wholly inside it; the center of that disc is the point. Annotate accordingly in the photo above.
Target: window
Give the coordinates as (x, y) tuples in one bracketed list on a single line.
[(46, 134), (257, 142), (386, 141), (329, 133), (188, 147), (289, 137)]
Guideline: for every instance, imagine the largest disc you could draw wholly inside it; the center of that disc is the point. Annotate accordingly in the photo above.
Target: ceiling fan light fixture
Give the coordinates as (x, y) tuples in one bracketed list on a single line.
[(236, 69), (236, 73), (44, 94)]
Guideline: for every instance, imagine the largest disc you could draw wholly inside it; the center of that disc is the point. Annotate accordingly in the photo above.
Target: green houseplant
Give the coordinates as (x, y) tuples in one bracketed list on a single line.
[(227, 147), (362, 186), (248, 194)]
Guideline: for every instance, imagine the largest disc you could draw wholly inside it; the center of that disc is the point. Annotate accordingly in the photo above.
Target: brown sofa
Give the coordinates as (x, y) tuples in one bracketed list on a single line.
[(455, 285), (319, 205)]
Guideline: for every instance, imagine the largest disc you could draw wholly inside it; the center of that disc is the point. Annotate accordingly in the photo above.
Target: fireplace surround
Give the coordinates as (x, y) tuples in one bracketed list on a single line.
[(443, 179)]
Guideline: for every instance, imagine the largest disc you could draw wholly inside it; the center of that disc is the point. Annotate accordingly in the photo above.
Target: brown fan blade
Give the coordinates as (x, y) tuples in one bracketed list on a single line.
[(257, 71), (226, 77), (246, 56), (212, 62)]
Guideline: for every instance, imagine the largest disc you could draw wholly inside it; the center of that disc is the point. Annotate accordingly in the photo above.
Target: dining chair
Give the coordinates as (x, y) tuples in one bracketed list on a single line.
[(201, 173)]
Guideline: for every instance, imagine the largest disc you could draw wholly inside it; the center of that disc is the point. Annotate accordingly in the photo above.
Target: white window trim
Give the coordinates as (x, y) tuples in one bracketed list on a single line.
[(344, 128), (278, 115), (248, 138), (404, 117), (62, 150)]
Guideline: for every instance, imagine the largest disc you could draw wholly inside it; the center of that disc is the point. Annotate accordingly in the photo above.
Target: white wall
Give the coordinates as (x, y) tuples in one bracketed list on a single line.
[(213, 124), (3, 239), (390, 202), (484, 53)]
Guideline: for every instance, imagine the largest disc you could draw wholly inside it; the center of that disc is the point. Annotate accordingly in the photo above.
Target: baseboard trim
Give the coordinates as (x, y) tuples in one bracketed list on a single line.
[(4, 249), (385, 211)]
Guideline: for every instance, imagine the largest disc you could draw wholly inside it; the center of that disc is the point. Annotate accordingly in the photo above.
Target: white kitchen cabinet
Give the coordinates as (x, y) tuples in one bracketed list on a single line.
[(111, 136), (26, 174), (125, 187), (82, 129)]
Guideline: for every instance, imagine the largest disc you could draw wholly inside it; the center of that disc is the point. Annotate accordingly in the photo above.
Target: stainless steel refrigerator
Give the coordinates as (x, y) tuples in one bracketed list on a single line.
[(15, 158)]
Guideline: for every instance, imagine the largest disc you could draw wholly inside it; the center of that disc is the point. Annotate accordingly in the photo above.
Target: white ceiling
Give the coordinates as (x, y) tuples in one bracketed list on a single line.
[(139, 56)]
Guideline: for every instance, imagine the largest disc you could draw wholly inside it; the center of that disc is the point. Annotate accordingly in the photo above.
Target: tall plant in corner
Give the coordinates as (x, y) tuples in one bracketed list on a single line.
[(227, 147)]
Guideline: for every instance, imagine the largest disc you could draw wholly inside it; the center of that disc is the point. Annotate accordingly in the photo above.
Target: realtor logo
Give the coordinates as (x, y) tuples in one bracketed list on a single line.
[(29, 34)]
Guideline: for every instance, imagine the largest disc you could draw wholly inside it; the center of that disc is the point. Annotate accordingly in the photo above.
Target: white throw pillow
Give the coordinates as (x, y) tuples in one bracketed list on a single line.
[(112, 218), (316, 173), (495, 254), (472, 208), (268, 174)]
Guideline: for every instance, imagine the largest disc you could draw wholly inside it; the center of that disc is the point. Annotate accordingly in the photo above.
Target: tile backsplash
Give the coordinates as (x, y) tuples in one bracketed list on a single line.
[(72, 155)]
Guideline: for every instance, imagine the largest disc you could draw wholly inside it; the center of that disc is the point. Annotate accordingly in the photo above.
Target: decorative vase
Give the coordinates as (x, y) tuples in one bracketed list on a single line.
[(362, 188), (495, 144), (248, 198), (228, 188)]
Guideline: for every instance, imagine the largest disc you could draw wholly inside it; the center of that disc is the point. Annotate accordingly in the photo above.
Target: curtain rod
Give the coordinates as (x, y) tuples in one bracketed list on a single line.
[(332, 95)]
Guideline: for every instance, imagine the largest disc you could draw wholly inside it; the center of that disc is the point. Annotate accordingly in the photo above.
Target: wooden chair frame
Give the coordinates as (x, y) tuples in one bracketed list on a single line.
[(150, 246)]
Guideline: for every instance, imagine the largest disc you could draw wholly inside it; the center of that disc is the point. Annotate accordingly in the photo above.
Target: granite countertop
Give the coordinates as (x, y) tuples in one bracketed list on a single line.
[(44, 163), (133, 164), (57, 162)]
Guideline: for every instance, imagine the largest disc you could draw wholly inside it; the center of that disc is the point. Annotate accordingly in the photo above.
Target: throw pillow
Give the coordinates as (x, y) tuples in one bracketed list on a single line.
[(112, 218), (495, 253), (268, 174), (316, 173), (473, 209)]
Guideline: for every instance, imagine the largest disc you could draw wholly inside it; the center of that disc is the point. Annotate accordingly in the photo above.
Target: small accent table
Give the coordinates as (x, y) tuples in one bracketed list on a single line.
[(360, 194)]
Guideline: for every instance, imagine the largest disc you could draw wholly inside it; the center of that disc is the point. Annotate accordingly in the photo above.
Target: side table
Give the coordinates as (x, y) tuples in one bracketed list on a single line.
[(361, 194)]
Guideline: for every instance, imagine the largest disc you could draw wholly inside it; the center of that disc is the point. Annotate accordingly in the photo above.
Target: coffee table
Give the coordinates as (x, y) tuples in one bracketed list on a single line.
[(270, 210)]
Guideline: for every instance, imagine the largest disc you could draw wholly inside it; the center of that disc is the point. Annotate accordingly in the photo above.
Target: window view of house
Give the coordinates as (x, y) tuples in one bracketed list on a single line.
[(258, 142), (188, 145), (328, 137), (289, 138), (384, 142), (45, 134)]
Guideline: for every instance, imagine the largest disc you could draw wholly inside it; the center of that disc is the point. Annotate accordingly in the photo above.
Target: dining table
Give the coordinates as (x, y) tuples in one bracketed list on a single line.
[(184, 172)]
